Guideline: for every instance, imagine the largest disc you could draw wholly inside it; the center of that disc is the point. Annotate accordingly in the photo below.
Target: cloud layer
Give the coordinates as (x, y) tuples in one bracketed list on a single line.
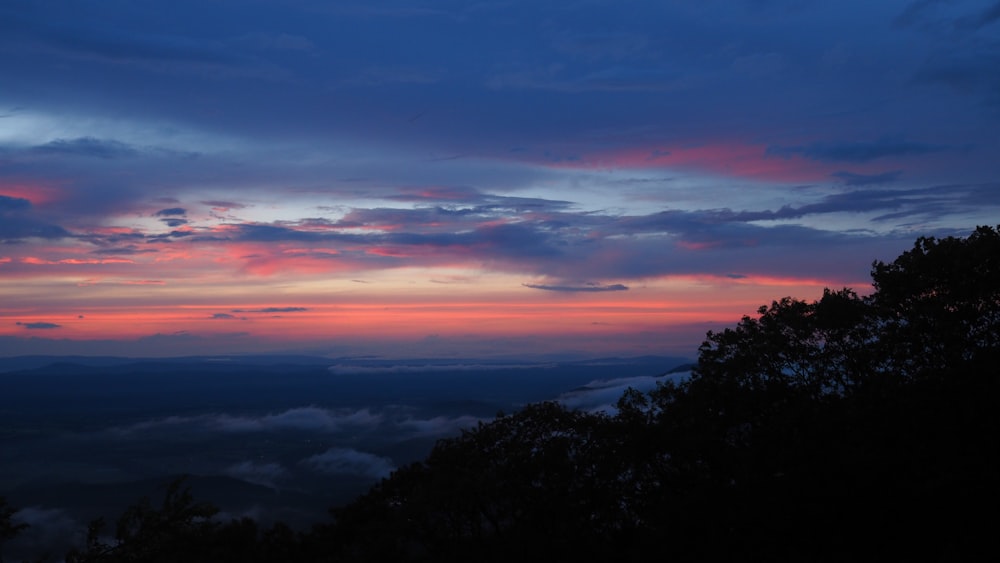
[(175, 182)]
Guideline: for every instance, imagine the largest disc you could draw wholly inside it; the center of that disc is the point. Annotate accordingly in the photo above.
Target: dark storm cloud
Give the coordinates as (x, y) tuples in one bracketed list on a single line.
[(586, 288), (224, 316), (39, 325), (858, 151), (88, 147)]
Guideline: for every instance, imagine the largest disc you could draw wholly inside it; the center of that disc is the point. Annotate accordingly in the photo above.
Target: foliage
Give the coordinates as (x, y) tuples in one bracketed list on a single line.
[(940, 304), (182, 529)]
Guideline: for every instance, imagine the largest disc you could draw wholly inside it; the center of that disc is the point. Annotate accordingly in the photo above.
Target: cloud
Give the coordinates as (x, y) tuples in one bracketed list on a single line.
[(338, 461), (124, 250), (8, 204), (965, 72), (302, 418), (307, 419), (463, 194), (16, 222), (171, 211), (440, 425), (220, 205), (547, 240), (908, 201), (266, 474), (601, 395), (859, 151), (222, 316), (426, 240), (283, 189), (39, 325), (88, 147), (253, 232), (590, 287), (273, 310), (347, 369), (852, 179)]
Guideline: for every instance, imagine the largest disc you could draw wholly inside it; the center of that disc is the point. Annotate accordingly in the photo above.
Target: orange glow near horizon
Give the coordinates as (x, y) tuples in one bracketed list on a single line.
[(297, 316), (362, 320)]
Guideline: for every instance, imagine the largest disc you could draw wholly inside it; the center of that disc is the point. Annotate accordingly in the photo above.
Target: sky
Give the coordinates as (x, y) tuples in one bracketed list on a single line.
[(472, 179)]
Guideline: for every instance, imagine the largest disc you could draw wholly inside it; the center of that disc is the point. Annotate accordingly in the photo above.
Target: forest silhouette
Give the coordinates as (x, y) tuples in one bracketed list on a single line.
[(846, 428)]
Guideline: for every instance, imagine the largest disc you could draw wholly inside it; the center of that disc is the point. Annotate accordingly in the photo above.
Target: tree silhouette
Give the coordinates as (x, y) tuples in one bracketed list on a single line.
[(844, 428), (179, 529)]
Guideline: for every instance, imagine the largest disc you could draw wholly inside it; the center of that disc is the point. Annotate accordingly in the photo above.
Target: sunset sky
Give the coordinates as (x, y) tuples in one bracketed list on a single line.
[(475, 179)]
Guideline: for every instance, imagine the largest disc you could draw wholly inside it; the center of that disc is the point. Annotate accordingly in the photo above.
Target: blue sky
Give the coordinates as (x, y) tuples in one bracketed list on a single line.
[(463, 178)]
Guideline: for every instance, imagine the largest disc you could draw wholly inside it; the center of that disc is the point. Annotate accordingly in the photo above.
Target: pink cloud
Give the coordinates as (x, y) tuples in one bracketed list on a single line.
[(37, 194)]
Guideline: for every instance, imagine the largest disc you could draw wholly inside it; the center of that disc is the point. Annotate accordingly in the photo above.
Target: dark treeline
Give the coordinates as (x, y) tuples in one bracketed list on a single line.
[(846, 428)]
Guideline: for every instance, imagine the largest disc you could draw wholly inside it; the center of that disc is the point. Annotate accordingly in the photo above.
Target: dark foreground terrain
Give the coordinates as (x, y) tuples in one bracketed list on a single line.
[(847, 428)]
